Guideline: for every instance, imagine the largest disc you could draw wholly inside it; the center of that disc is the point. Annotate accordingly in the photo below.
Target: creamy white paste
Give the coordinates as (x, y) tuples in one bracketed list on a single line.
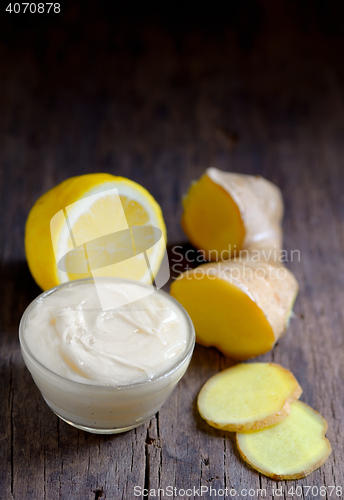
[(70, 334)]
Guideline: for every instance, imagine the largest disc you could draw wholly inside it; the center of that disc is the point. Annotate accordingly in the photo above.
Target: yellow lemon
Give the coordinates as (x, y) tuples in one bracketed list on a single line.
[(94, 224)]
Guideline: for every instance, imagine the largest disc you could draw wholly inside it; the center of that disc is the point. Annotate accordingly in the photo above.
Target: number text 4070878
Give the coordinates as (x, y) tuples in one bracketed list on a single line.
[(33, 8)]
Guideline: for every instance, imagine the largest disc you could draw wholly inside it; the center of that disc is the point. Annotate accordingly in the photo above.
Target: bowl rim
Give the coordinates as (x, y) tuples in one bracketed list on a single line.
[(27, 351)]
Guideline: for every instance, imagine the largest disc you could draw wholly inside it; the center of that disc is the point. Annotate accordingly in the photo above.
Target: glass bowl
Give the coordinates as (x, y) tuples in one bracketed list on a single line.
[(104, 409)]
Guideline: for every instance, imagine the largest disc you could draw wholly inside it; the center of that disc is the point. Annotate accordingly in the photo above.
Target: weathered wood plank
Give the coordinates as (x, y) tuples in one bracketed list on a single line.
[(159, 104)]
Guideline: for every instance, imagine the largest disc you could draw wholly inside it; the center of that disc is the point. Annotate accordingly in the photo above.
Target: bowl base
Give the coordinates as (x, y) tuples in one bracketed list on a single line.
[(96, 430)]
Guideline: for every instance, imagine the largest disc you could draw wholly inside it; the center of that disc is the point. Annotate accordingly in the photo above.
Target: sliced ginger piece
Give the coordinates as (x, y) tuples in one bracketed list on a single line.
[(225, 212), (211, 218), (240, 307), (290, 449), (248, 396)]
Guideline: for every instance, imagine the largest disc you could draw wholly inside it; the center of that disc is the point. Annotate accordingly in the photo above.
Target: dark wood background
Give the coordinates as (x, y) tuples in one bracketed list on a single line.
[(158, 96)]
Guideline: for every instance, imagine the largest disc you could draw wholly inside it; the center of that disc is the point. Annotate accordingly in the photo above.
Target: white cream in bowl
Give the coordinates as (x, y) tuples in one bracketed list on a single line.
[(106, 371)]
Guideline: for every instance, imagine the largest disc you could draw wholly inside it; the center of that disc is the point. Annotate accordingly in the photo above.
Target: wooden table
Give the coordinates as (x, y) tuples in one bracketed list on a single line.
[(257, 90)]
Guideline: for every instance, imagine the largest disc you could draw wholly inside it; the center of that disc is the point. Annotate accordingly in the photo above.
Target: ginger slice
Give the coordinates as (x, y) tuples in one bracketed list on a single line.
[(225, 212), (248, 396), (211, 219), (240, 307), (290, 449)]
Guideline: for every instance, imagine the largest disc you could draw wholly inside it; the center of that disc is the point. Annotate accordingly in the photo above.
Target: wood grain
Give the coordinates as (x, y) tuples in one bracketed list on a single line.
[(259, 91)]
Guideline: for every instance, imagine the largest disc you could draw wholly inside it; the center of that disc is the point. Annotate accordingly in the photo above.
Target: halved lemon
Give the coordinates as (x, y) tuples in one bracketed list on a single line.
[(94, 225)]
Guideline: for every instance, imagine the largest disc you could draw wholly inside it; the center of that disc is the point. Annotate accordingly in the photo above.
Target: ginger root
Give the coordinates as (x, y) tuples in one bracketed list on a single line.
[(240, 307), (225, 212), (290, 449), (248, 396)]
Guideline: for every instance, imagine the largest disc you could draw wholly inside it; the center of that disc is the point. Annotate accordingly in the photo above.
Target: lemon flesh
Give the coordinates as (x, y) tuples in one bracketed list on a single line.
[(87, 210)]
